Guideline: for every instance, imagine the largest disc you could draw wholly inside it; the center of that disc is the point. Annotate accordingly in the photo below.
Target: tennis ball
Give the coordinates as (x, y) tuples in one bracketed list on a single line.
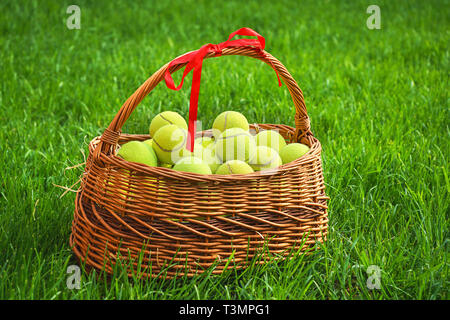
[(234, 167), (166, 165), (227, 120), (293, 151), (169, 144), (118, 187), (118, 184), (137, 151), (208, 155), (148, 142), (271, 139), (192, 164), (165, 118), (211, 147), (205, 141), (235, 144), (265, 158)]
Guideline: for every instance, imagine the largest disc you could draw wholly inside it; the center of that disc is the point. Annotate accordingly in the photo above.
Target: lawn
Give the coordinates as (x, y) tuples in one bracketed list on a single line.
[(377, 100)]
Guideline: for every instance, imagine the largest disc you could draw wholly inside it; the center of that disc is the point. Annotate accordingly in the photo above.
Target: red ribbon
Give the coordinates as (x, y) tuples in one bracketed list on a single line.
[(194, 60)]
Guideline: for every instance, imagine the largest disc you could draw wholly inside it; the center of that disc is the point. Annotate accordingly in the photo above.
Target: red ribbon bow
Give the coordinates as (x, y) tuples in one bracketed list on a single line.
[(194, 60)]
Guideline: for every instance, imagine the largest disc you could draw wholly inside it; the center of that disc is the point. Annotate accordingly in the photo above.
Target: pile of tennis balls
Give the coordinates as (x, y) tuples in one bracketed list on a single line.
[(231, 149)]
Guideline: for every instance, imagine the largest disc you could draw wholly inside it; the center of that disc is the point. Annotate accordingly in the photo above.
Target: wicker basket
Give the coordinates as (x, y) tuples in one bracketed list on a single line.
[(158, 219)]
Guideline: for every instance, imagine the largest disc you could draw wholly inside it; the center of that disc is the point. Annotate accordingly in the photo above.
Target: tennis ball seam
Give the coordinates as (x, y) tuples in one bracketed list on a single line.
[(165, 119), (172, 150), (225, 121), (265, 164), (229, 167)]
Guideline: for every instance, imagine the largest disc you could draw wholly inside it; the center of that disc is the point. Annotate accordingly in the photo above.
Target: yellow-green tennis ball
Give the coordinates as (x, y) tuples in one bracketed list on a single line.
[(265, 158), (271, 139), (119, 184), (235, 144), (166, 165), (208, 155), (211, 146), (165, 118), (293, 151), (227, 120), (169, 143), (234, 167), (205, 141), (192, 164), (137, 151), (148, 142)]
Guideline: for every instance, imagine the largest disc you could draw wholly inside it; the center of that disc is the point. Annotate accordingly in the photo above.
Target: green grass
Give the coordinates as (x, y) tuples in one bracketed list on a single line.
[(377, 100)]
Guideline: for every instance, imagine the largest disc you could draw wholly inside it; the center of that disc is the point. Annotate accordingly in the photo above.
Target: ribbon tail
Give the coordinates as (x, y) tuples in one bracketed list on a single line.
[(193, 106)]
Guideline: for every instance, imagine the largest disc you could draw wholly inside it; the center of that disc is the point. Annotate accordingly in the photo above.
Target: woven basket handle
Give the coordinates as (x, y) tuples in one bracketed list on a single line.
[(110, 136)]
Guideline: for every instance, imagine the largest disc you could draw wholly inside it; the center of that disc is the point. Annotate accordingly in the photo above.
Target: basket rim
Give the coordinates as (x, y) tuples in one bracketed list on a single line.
[(112, 159)]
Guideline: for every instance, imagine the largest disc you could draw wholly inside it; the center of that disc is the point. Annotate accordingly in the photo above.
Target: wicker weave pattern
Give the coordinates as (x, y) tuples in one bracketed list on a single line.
[(158, 213)]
